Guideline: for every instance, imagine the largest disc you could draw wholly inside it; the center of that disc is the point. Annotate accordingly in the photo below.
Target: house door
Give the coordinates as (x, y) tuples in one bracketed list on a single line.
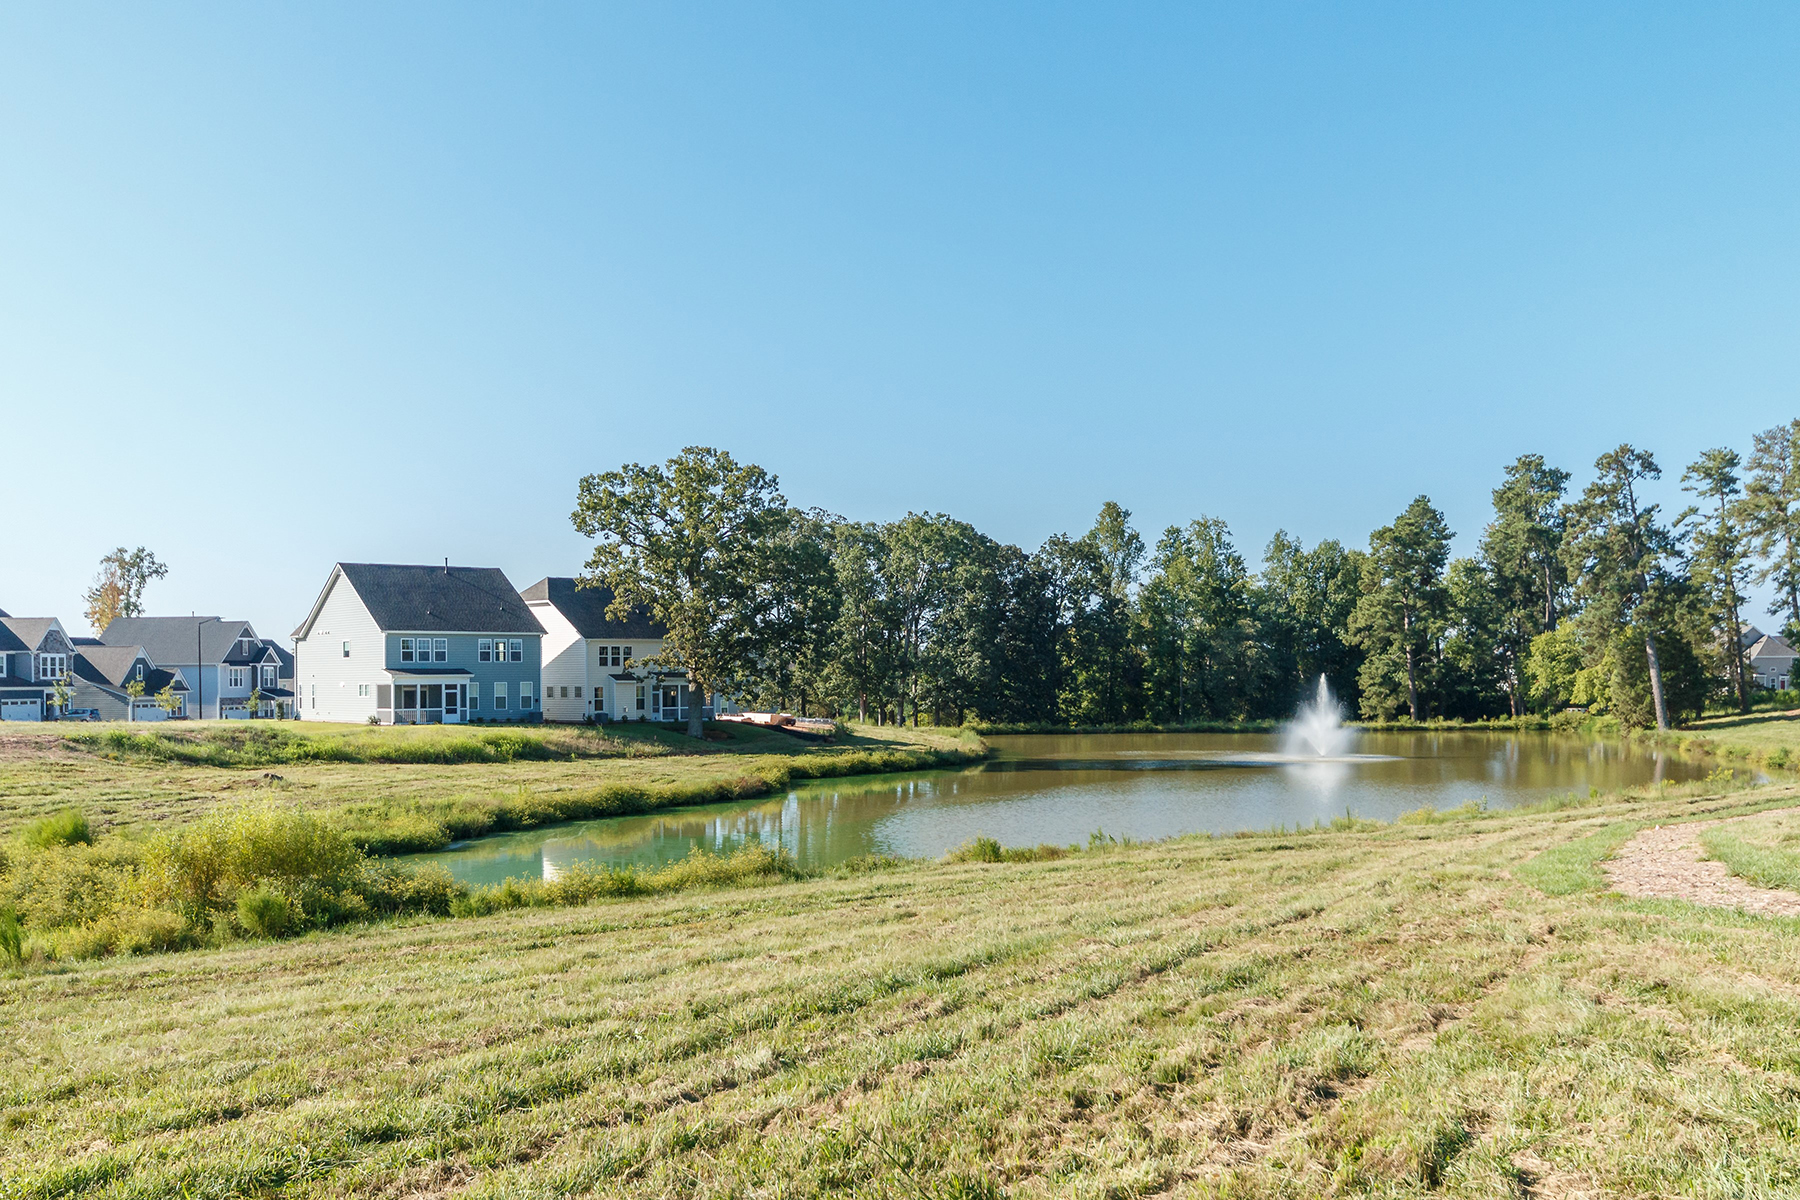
[(455, 700)]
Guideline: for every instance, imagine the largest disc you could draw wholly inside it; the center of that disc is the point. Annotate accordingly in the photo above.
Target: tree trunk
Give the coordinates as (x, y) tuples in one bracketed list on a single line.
[(1656, 686), (695, 727), (1737, 660), (1549, 600), (1412, 690)]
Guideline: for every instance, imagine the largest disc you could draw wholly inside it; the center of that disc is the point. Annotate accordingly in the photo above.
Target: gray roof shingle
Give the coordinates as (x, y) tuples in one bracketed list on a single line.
[(440, 599), (586, 610), (29, 631), (170, 640)]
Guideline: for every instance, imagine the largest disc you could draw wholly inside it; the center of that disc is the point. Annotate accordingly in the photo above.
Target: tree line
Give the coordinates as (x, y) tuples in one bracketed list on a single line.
[(1595, 599)]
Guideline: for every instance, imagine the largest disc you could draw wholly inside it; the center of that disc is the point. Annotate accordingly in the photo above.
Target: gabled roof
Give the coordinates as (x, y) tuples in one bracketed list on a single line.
[(109, 668), (429, 599), (172, 639), (30, 631), (109, 664), (586, 608), (1770, 646), (1750, 636)]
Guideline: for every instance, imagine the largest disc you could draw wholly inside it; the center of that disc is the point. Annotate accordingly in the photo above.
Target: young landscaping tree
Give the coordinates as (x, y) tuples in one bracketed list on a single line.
[(1522, 550), (118, 590), (167, 700), (1401, 613), (686, 542), (1618, 553), (1720, 563), (1772, 517)]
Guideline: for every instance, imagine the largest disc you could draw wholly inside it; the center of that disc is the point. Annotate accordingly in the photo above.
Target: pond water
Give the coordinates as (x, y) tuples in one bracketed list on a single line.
[(1061, 788)]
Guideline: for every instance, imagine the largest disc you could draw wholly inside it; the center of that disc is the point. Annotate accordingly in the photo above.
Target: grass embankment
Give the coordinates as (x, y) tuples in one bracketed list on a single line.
[(397, 790), (1392, 1011)]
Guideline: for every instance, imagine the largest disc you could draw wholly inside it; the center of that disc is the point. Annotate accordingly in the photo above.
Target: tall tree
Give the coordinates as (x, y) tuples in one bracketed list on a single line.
[(866, 637), (1719, 562), (1522, 551), (1772, 516), (1091, 581), (1202, 655), (118, 590), (798, 600), (687, 542), (1304, 601), (1618, 552), (1401, 613)]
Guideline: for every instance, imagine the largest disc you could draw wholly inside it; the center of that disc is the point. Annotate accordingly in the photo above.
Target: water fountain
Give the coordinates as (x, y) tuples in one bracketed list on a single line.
[(1318, 728)]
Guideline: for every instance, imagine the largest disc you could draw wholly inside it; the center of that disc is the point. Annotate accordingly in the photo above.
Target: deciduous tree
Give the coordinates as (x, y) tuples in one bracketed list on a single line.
[(118, 590), (1402, 609), (687, 542)]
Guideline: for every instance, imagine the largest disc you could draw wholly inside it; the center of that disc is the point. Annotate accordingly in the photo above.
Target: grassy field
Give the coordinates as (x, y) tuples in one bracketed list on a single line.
[(401, 783), (1449, 1005)]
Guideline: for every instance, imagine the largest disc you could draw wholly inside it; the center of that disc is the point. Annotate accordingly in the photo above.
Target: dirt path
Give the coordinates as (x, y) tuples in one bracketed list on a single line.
[(1665, 864)]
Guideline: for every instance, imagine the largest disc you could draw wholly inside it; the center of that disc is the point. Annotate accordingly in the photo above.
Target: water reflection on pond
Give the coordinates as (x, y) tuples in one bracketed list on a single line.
[(1059, 789)]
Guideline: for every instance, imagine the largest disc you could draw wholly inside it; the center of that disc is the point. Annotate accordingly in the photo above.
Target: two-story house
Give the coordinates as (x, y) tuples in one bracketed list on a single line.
[(418, 645), (36, 655), (121, 683), (594, 665), (223, 662)]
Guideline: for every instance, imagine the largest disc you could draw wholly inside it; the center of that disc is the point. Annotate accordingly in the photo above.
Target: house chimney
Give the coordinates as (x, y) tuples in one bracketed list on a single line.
[(446, 566)]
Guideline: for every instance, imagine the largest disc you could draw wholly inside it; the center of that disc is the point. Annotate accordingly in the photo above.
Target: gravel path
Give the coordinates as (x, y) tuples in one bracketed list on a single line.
[(1664, 863)]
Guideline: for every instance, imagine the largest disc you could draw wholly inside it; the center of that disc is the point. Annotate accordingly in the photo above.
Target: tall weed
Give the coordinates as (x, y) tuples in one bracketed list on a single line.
[(65, 828)]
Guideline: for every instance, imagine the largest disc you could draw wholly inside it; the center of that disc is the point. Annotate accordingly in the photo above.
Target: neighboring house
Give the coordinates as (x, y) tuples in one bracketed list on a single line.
[(35, 655), (593, 664), (223, 662), (103, 678), (1771, 662), (418, 645)]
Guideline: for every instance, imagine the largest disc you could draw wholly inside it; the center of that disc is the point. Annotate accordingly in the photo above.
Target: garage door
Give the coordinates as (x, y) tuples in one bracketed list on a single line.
[(21, 710)]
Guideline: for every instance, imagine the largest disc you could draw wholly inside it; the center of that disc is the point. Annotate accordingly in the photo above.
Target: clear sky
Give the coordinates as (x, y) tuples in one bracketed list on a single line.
[(283, 285)]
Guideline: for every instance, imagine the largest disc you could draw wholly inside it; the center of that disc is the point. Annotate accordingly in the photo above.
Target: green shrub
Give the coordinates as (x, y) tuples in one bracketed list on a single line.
[(981, 849), (264, 913), (65, 828)]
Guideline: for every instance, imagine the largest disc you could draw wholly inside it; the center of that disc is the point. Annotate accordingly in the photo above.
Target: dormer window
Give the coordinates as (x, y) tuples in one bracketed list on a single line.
[(140, 672)]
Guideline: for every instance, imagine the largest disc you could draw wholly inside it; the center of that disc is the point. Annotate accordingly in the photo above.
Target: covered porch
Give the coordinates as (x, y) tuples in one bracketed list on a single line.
[(423, 697)]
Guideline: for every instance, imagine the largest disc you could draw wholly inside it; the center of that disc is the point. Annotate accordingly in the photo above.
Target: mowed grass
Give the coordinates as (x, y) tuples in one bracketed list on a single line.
[(44, 770), (1765, 850), (1374, 1011)]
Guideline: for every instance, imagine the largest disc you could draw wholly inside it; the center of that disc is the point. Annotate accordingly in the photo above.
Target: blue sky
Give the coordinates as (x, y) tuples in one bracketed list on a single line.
[(381, 282)]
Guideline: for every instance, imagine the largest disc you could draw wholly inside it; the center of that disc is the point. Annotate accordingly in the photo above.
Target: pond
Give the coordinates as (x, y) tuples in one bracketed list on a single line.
[(1061, 788)]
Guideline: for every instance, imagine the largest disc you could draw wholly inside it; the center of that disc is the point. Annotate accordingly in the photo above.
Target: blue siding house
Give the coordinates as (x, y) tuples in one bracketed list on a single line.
[(401, 644)]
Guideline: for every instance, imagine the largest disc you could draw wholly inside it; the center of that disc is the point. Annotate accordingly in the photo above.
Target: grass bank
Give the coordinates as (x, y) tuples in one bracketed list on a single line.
[(416, 788), (1393, 1011)]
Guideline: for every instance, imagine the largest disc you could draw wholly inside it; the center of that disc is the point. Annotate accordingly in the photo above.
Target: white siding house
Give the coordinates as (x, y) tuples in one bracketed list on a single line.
[(595, 666)]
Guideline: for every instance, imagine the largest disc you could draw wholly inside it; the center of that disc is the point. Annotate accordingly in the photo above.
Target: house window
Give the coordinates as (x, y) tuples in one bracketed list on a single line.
[(640, 697), (440, 650), (578, 691), (237, 677), (406, 649), (3, 659), (346, 649), (484, 649), (140, 672), (524, 694), (52, 666), (362, 691), (499, 695), (518, 650), (474, 696), (268, 673), (315, 695)]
